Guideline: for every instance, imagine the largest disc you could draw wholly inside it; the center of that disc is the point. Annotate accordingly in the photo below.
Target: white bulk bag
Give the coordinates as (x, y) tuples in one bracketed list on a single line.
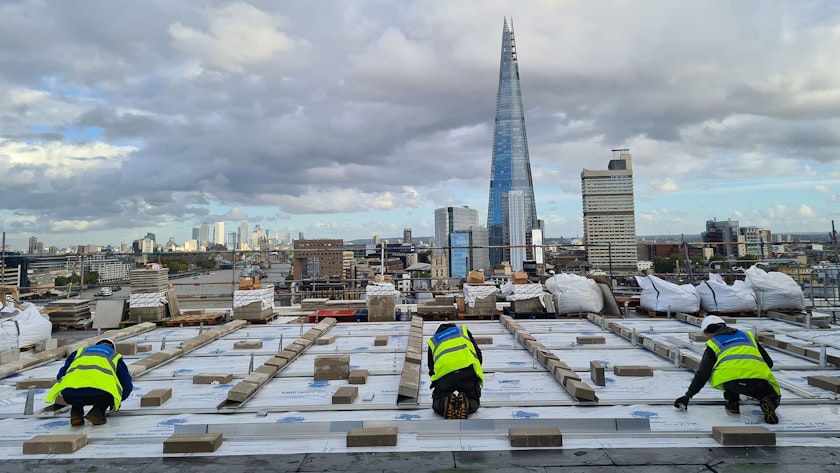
[(663, 296), (775, 290), (717, 296), (24, 326), (573, 293)]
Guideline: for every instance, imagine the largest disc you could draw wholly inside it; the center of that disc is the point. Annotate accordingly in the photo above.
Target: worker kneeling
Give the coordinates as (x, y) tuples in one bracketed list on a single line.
[(455, 365), (737, 364), (93, 376)]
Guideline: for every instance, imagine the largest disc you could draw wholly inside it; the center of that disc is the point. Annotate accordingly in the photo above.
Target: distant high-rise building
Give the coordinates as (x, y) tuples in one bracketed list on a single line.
[(287, 240), (407, 236), (727, 235), (204, 235), (219, 233), (609, 216), (196, 233), (231, 241), (33, 245), (318, 259), (757, 241), (511, 164), (242, 234), (516, 229), (460, 237)]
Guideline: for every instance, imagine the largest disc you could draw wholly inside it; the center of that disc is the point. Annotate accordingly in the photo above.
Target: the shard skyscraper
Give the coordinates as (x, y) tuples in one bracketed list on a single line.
[(511, 165)]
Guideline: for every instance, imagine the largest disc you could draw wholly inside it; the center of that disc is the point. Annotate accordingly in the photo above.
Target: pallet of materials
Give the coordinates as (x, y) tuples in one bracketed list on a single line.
[(149, 280), (73, 314), (192, 319), (313, 304), (253, 312)]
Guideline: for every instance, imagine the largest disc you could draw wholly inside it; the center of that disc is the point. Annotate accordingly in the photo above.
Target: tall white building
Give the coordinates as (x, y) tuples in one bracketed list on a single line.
[(609, 216), (516, 228), (462, 239), (219, 233)]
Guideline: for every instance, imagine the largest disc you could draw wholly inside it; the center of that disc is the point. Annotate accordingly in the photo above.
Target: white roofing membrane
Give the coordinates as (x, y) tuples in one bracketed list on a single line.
[(292, 413)]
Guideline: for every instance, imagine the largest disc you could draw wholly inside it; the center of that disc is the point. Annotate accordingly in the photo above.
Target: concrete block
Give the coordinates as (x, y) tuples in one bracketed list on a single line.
[(277, 361), (596, 372), (632, 370), (9, 355), (295, 348), (358, 376), (241, 391), (210, 378), (192, 443), (59, 443), (38, 383), (287, 355), (345, 395), (135, 369), (382, 308), (143, 348), (326, 373), (257, 377), (269, 370), (591, 340), (126, 348), (303, 343), (553, 365), (380, 341), (248, 345), (697, 337), (743, 435), (483, 340), (372, 437), (325, 340), (156, 397), (562, 375), (580, 390), (829, 383), (329, 360), (690, 362), (536, 437)]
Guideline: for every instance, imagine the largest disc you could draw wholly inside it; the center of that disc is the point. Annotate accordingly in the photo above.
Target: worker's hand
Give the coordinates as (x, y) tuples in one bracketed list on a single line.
[(682, 403)]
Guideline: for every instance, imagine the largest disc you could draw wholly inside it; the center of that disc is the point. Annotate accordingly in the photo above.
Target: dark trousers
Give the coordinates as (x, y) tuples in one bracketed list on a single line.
[(755, 388), (99, 402), (464, 381)]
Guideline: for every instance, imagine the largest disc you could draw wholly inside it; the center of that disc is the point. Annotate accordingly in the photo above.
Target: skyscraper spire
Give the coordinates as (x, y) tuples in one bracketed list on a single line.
[(511, 165)]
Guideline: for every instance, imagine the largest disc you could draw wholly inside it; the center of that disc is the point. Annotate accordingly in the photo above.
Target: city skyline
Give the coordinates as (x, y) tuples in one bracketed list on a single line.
[(361, 118)]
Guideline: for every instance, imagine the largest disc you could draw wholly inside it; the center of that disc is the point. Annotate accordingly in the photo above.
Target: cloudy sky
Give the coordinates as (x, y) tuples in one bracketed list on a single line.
[(346, 119)]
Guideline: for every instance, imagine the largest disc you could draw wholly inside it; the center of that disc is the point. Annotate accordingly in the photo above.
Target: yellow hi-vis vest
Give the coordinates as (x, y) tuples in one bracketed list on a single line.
[(90, 369), (738, 358), (452, 350)]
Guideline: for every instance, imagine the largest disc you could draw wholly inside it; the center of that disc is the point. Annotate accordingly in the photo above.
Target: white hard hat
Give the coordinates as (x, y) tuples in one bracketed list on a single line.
[(711, 320), (107, 341)]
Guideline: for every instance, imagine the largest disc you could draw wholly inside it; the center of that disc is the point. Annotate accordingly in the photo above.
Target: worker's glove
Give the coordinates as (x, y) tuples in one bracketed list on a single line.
[(682, 403)]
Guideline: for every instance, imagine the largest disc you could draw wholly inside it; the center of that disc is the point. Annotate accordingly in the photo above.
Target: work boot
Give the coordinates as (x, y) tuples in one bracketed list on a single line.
[(733, 407), (768, 407), (96, 416), (77, 416), (452, 407), (463, 406)]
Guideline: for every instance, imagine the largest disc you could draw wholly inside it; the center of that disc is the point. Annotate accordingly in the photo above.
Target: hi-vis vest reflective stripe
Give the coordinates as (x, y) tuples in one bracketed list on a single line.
[(91, 369), (738, 358), (452, 350)]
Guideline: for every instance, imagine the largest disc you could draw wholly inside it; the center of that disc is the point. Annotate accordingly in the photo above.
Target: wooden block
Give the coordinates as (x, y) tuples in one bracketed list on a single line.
[(483, 340), (632, 370), (192, 443), (596, 372), (743, 435), (325, 340), (580, 390), (126, 348), (38, 383), (537, 437), (248, 345), (156, 397), (59, 443), (241, 391), (9, 355), (562, 375), (345, 395), (591, 340), (210, 378), (829, 383), (380, 341), (372, 437), (358, 376)]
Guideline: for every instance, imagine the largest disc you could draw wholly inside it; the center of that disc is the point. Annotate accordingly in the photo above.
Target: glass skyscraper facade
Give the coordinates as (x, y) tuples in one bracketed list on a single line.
[(511, 165)]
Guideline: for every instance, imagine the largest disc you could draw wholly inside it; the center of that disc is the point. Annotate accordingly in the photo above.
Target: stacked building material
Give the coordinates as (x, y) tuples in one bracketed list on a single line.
[(70, 313), (148, 300), (255, 305), (313, 304), (381, 302)]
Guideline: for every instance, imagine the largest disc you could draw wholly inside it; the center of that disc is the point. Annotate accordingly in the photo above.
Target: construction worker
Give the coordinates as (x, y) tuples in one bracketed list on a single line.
[(454, 362), (93, 376), (737, 364)]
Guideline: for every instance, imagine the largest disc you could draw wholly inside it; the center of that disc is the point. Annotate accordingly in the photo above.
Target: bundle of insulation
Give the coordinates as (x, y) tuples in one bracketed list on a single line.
[(717, 296), (573, 293), (22, 327), (381, 289), (472, 293), (519, 292), (775, 290), (663, 296)]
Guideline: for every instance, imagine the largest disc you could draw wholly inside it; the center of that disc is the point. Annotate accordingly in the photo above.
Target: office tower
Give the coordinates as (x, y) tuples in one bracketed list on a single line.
[(516, 229), (460, 237), (196, 233), (219, 233), (242, 234), (727, 235), (511, 165), (407, 236), (33, 245), (204, 235), (321, 259), (230, 241), (609, 218)]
